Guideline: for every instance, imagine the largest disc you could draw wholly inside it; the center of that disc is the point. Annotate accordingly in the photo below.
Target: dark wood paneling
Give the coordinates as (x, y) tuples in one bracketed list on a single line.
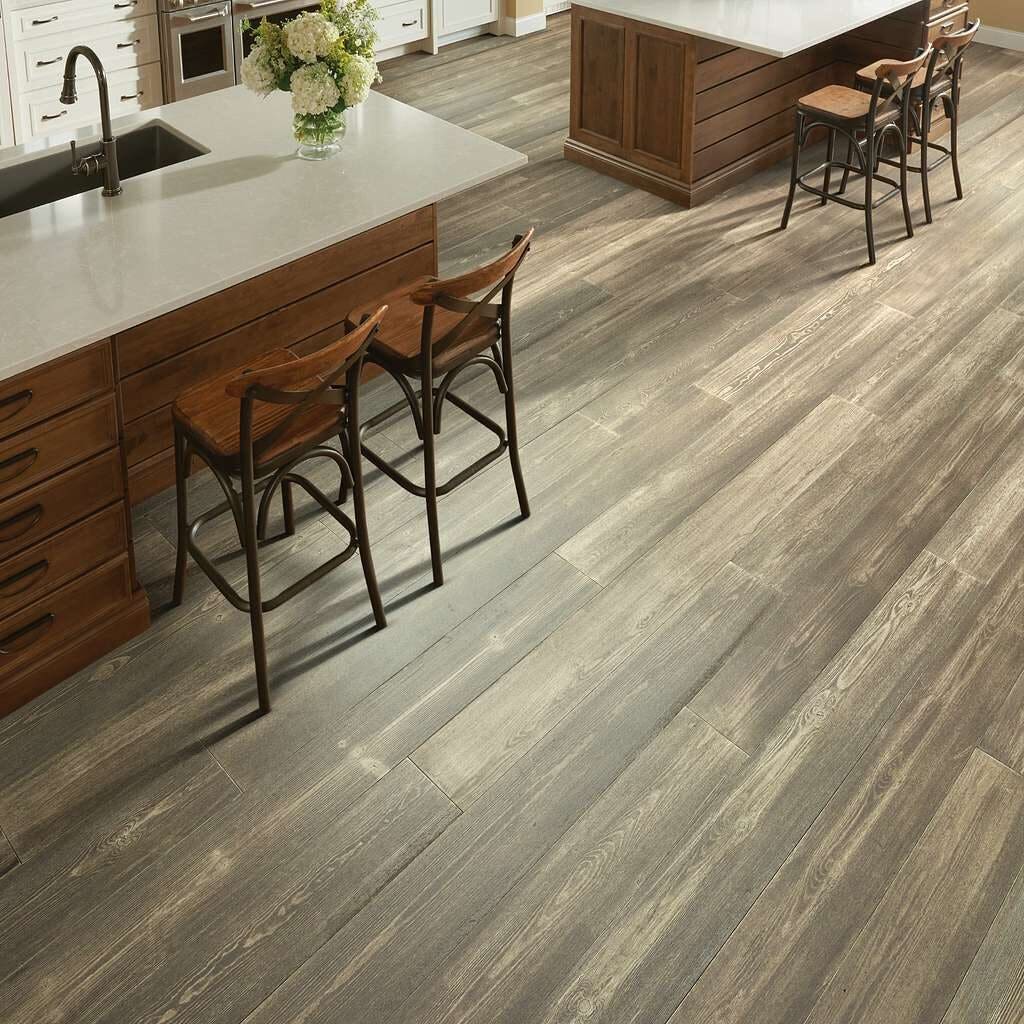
[(161, 383), (51, 389), (708, 48), (728, 66), (742, 144), (768, 104), (602, 62), (187, 327), (755, 83), (659, 91)]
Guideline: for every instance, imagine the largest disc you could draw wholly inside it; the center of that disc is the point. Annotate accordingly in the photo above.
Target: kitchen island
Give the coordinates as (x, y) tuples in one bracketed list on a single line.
[(112, 307), (686, 97)]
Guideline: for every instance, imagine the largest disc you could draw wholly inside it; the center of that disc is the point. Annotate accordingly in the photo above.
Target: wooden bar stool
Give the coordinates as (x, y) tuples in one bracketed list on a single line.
[(878, 115), (938, 82), (436, 330), (258, 425)]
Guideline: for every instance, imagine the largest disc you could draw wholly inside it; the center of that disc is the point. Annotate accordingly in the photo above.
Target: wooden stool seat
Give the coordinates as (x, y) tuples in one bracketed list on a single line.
[(840, 103), (399, 339), (212, 416)]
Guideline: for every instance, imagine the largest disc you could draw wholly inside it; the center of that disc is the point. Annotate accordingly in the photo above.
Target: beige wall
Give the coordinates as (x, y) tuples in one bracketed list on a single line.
[(527, 8), (999, 13)]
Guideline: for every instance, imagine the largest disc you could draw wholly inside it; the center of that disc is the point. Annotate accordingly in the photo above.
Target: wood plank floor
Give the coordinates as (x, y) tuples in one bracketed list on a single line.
[(730, 730)]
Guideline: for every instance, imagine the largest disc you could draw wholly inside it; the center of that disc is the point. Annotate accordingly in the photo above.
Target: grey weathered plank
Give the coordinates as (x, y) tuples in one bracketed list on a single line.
[(907, 962)]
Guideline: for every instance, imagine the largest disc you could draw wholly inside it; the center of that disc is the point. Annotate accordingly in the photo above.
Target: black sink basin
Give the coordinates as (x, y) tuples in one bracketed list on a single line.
[(49, 178)]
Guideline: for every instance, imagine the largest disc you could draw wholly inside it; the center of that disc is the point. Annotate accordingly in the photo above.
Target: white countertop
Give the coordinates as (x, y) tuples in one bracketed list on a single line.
[(779, 28), (86, 267)]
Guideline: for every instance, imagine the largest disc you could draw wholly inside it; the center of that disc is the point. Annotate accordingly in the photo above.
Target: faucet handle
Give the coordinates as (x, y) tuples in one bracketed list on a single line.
[(75, 162)]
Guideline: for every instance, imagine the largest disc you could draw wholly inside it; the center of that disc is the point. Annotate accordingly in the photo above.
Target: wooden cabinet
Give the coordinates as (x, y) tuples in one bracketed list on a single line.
[(459, 15), (67, 590), (685, 118)]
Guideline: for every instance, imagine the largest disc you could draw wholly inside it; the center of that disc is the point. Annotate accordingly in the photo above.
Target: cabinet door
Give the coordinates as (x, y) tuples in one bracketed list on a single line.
[(460, 14)]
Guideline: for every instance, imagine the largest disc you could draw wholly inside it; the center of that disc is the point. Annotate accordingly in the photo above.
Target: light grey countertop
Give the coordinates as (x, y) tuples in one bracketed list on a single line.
[(86, 267), (779, 28)]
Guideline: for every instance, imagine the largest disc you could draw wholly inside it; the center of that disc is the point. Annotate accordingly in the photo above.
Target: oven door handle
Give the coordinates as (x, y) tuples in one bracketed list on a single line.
[(193, 18), (255, 5)]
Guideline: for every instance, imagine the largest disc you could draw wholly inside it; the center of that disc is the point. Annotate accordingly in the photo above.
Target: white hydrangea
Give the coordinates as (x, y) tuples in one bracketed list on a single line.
[(313, 90), (257, 73), (310, 35), (360, 74)]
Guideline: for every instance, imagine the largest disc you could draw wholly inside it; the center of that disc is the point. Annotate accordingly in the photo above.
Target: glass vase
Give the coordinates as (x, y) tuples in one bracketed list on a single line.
[(319, 136)]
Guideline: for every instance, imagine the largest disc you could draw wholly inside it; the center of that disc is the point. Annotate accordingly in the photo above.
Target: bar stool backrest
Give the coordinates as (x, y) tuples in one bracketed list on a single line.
[(454, 294), (948, 57), (899, 76), (288, 384)]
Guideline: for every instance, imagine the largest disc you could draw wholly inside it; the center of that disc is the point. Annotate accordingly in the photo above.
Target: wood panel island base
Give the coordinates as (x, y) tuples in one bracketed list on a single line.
[(685, 116)]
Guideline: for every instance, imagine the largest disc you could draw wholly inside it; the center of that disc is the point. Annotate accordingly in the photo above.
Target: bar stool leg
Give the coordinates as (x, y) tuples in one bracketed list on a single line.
[(846, 169), (828, 168), (252, 567), (350, 443), (795, 169), (288, 507), (904, 186), (430, 481), (954, 126), (869, 179), (926, 124), (181, 461), (510, 420)]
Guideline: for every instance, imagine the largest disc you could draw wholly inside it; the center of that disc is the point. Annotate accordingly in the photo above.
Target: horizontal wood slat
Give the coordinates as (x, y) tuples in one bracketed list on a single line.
[(755, 83), (161, 383), (735, 147), (729, 65), (782, 99), (191, 325)]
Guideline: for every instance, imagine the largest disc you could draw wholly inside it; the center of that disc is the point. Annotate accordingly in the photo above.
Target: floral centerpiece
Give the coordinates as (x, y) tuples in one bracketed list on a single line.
[(325, 59)]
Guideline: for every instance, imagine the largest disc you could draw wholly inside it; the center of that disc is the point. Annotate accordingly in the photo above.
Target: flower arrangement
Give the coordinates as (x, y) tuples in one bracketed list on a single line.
[(325, 59)]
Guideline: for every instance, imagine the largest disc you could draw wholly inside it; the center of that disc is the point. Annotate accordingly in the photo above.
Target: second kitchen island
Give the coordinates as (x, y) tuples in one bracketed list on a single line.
[(684, 98)]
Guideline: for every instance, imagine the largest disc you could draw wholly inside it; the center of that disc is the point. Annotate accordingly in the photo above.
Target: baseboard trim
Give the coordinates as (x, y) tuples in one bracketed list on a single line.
[(524, 26), (556, 6), (1007, 38)]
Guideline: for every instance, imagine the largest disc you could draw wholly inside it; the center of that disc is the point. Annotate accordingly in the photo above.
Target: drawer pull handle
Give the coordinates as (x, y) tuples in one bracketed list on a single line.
[(25, 637), (53, 117), (16, 403), (948, 27), (134, 96), (27, 579), (47, 63), (30, 518), (409, 24), (131, 3), (127, 46), (20, 463), (45, 21)]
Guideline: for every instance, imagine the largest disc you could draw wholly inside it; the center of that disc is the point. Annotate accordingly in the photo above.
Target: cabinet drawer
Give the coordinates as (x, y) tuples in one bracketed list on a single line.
[(44, 626), (57, 444), (40, 512), (402, 23), (28, 576), (460, 14), (939, 7), (68, 15), (944, 24), (122, 44), (55, 387), (40, 112)]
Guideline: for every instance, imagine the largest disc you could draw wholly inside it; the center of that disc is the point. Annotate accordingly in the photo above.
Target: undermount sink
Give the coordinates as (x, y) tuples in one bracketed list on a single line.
[(48, 178)]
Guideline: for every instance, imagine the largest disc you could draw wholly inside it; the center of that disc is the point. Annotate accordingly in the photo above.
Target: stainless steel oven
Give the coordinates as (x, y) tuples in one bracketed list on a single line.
[(253, 12), (197, 46)]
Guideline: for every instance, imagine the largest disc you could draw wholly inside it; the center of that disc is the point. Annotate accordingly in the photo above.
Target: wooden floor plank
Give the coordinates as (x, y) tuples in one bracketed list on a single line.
[(906, 964)]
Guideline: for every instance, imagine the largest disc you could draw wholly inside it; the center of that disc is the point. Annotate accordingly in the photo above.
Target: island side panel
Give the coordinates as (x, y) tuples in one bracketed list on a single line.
[(723, 113), (301, 304)]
